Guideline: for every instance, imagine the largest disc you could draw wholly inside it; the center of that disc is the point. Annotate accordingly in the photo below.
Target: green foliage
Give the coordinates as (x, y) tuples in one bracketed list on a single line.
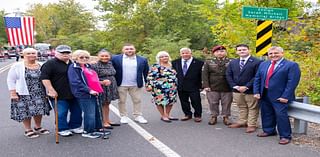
[(3, 36), (304, 46), (64, 22), (168, 43), (156, 25)]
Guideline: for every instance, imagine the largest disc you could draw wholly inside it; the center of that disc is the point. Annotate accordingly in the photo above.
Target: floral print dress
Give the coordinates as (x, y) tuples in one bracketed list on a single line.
[(34, 104), (163, 82)]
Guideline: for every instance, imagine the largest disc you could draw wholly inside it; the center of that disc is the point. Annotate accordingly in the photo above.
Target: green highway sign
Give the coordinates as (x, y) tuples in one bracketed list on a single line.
[(264, 13)]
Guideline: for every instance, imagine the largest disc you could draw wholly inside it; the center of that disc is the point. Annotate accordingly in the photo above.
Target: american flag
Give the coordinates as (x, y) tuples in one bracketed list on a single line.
[(19, 30)]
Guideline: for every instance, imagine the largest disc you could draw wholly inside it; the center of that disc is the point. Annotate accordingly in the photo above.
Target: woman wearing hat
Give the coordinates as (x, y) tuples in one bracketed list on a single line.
[(216, 85)]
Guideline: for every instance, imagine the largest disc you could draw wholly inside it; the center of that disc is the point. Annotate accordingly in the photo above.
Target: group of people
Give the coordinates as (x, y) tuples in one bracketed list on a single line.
[(84, 87), (251, 83)]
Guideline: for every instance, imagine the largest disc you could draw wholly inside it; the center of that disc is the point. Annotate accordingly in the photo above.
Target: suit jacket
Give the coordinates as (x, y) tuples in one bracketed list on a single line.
[(142, 69), (192, 80), (244, 77), (282, 83)]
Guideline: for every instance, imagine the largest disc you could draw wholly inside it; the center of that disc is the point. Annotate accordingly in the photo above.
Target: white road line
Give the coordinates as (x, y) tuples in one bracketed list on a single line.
[(3, 69), (150, 138)]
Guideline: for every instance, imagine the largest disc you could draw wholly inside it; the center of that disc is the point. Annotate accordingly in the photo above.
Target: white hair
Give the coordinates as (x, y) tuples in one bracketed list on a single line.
[(185, 49), (77, 53), (278, 48), (162, 53), (26, 50)]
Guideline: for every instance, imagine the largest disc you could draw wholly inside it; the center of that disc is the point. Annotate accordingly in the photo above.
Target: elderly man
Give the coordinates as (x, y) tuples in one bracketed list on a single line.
[(189, 83), (54, 77), (274, 85)]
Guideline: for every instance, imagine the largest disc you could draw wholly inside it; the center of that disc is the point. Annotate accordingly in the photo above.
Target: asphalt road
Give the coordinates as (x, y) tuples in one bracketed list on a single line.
[(186, 139)]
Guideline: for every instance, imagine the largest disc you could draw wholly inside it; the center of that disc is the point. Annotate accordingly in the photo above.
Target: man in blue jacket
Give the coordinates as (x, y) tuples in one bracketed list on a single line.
[(275, 84), (240, 75), (131, 73)]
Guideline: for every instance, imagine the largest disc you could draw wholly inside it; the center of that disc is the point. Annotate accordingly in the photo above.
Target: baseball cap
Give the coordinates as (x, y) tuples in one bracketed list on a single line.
[(63, 48), (219, 47)]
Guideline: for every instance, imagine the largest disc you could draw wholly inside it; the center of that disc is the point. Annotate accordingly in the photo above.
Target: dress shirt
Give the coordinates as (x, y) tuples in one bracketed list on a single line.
[(276, 65), (129, 71), (189, 61)]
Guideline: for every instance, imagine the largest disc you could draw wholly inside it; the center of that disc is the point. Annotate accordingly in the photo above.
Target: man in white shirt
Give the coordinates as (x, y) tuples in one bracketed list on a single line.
[(131, 73)]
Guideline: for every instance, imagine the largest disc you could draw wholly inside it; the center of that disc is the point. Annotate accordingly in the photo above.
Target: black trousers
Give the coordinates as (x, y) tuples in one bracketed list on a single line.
[(195, 98)]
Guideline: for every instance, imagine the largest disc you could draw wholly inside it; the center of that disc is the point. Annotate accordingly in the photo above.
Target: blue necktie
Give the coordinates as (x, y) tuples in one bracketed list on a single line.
[(185, 67), (241, 64)]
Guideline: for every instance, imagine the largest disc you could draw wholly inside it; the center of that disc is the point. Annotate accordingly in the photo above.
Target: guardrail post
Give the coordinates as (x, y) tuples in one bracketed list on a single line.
[(301, 126)]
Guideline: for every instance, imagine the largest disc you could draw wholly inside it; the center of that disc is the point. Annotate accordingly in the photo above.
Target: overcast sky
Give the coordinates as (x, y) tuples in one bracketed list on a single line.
[(11, 6)]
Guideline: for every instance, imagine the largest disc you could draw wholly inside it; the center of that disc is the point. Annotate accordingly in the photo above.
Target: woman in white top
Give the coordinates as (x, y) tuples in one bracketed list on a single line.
[(28, 96)]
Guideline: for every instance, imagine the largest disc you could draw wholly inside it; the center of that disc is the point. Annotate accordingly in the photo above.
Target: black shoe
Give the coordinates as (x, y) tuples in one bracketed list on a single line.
[(108, 127), (114, 124), (166, 120)]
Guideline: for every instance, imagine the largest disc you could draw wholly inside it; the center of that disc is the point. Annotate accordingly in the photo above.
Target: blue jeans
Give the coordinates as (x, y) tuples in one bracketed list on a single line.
[(91, 114), (64, 106)]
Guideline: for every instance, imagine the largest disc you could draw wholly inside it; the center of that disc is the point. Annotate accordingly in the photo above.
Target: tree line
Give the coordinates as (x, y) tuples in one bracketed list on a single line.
[(154, 25)]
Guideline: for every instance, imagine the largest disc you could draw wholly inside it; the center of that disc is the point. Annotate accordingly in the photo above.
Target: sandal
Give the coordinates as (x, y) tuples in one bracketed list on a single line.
[(107, 127), (30, 134), (42, 131)]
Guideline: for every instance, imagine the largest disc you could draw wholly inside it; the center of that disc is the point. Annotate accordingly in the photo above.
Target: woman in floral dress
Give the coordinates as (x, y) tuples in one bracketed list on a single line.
[(162, 83), (28, 96)]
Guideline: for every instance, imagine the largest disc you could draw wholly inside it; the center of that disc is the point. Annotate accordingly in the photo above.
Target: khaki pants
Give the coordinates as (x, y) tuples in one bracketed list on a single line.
[(248, 108), (135, 94), (214, 99)]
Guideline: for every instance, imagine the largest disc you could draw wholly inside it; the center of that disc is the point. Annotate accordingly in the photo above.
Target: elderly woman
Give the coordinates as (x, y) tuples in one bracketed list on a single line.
[(162, 83), (106, 73), (28, 96), (215, 84), (85, 87)]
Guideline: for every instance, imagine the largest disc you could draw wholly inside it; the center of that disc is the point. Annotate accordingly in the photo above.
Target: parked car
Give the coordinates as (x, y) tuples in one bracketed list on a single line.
[(43, 50)]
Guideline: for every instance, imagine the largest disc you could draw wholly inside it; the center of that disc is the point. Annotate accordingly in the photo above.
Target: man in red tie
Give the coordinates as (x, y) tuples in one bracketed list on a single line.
[(274, 85)]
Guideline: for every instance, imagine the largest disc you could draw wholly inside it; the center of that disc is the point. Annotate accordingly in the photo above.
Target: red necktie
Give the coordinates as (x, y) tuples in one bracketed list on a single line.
[(270, 71)]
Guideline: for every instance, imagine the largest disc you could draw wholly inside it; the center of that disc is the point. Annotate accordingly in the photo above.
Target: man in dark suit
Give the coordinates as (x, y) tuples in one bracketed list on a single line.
[(131, 71), (240, 75), (275, 84), (189, 83)]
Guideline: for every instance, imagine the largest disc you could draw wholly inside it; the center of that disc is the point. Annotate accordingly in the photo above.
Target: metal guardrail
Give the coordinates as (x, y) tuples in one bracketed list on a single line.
[(302, 114)]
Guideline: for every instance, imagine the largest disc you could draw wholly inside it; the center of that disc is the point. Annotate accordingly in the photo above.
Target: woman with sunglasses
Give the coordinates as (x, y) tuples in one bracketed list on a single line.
[(85, 86)]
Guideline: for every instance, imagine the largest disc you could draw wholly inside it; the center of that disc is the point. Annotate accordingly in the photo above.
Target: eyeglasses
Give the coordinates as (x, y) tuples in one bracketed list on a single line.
[(84, 57), (163, 56)]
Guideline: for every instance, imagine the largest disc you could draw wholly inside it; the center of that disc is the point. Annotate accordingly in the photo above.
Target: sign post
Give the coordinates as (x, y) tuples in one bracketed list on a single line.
[(264, 25)]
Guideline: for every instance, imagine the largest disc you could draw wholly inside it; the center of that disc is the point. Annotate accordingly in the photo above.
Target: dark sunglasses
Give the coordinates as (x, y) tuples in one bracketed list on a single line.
[(84, 57), (65, 52)]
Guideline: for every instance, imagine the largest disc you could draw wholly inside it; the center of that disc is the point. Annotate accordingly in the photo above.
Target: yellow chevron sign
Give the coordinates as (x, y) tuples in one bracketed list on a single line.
[(264, 37)]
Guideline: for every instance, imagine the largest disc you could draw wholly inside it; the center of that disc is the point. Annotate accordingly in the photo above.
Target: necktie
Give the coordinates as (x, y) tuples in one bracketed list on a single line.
[(185, 67), (270, 71), (241, 64)]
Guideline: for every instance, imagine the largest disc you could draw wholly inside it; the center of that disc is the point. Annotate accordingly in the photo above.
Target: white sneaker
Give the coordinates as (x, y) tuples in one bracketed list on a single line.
[(65, 133), (124, 120), (77, 130), (91, 135), (141, 120)]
